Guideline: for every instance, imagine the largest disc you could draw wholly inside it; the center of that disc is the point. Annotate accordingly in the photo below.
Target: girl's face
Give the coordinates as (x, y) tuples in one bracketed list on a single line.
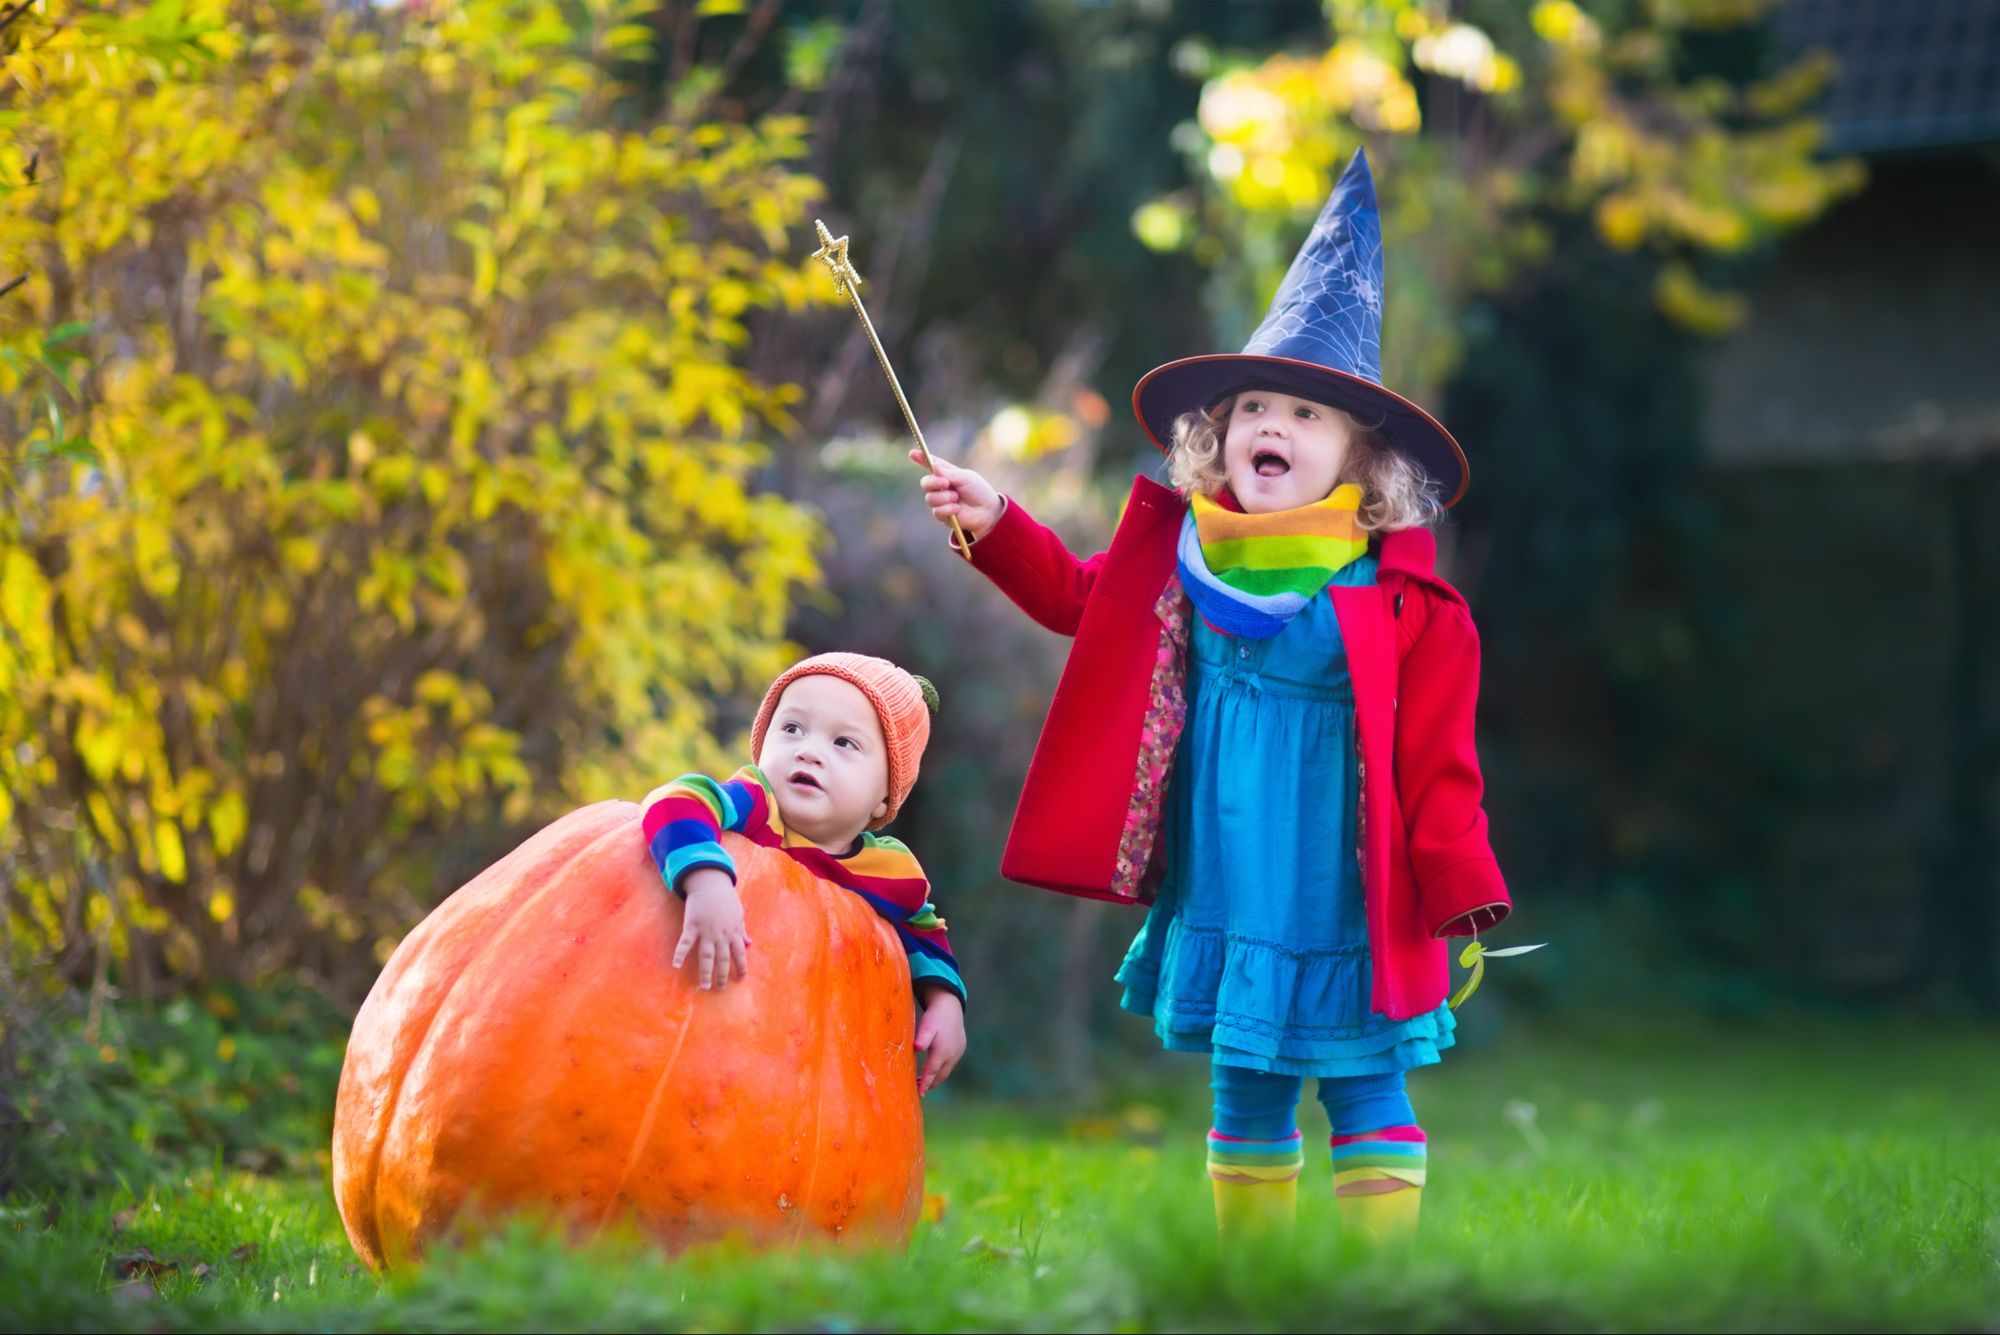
[(1282, 452), (826, 761)]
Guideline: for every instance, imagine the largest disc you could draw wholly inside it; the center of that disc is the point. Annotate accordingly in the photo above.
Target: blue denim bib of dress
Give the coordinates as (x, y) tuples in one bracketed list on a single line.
[(1256, 950)]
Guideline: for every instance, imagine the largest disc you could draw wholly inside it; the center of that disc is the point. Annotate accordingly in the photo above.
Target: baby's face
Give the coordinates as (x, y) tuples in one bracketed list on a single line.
[(827, 762), (1282, 452)]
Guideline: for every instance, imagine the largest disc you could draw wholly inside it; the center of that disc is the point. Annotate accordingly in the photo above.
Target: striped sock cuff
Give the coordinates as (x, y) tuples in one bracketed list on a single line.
[(1396, 1152), (1237, 1159)]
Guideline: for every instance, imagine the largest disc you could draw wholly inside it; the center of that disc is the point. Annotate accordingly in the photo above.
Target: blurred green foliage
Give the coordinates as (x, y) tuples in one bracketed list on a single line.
[(102, 1095)]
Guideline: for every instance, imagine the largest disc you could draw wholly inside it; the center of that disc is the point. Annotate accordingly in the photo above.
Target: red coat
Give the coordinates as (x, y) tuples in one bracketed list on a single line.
[(1089, 815)]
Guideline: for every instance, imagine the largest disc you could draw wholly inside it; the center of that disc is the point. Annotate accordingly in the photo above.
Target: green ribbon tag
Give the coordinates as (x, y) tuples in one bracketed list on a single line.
[(1474, 957)]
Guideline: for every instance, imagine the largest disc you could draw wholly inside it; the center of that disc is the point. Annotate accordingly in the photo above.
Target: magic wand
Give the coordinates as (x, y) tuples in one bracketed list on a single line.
[(833, 251)]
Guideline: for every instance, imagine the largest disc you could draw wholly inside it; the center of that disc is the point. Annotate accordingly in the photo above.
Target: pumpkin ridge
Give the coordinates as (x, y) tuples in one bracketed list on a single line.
[(818, 1085), (646, 1120), (499, 924)]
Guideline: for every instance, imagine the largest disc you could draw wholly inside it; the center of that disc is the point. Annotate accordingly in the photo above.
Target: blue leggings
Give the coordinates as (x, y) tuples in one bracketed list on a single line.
[(1257, 1105)]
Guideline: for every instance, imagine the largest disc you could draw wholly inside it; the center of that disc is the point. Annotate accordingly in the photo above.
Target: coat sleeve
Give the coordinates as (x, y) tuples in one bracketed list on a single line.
[(1033, 567), (1438, 781)]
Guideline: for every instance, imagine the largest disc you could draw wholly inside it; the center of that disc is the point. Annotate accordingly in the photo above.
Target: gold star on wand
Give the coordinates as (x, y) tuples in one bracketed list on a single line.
[(833, 252)]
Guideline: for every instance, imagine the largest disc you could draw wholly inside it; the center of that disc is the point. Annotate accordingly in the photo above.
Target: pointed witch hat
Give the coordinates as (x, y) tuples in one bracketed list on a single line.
[(1322, 340)]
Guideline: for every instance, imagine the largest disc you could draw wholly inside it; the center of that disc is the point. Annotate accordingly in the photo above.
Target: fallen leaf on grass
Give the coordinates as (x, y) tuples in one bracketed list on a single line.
[(1091, 1128), (1144, 1123), (244, 1252), (140, 1261), (934, 1204), (203, 1271), (123, 1219)]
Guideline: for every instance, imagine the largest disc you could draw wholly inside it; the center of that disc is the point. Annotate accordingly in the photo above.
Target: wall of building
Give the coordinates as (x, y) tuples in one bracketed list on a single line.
[(1876, 333)]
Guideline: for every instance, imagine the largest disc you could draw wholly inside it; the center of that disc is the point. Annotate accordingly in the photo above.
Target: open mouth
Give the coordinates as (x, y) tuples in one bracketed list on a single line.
[(804, 780), (1269, 463)]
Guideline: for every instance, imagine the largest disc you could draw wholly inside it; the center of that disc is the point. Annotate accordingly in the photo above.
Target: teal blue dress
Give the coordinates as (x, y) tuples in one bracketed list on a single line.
[(1256, 950)]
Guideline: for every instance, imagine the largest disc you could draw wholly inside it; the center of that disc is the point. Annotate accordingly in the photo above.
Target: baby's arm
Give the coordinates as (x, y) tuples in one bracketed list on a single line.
[(940, 991), (924, 940), (940, 1033), (895, 887), (712, 928), (683, 823)]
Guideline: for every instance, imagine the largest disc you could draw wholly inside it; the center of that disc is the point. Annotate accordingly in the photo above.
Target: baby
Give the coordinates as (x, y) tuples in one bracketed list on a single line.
[(837, 741)]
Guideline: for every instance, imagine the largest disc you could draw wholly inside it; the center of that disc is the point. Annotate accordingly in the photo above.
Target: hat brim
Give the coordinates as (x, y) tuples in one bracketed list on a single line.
[(1165, 392)]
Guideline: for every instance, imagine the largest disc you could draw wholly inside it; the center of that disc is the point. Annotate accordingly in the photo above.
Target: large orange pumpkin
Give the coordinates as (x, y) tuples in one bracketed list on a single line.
[(531, 1045)]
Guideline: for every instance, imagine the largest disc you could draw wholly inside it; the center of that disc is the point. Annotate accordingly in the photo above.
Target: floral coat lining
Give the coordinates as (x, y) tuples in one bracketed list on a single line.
[(1141, 863)]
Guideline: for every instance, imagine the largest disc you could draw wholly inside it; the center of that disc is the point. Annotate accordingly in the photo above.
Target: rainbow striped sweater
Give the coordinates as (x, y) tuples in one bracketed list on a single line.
[(684, 821)]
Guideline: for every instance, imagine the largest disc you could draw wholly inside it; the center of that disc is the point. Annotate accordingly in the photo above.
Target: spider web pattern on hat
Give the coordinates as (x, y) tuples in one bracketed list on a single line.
[(1331, 298)]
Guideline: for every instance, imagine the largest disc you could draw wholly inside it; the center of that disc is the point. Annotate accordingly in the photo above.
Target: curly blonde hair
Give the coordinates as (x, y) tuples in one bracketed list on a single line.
[(1395, 492)]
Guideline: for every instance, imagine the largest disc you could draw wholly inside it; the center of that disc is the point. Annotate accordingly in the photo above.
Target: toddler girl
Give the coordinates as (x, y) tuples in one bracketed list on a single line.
[(1306, 734)]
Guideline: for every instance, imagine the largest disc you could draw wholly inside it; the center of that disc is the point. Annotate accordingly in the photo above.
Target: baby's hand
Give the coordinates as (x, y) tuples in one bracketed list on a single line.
[(712, 928), (959, 492), (940, 1035)]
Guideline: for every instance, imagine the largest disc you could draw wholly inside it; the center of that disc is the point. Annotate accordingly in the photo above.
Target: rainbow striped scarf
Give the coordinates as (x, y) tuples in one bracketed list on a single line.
[(1248, 575)]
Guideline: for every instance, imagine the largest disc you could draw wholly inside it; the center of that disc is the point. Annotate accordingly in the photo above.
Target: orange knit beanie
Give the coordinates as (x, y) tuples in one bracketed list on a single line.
[(903, 702)]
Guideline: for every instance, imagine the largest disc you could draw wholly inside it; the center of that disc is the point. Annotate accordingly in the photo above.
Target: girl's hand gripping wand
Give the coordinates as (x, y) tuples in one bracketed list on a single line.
[(833, 252)]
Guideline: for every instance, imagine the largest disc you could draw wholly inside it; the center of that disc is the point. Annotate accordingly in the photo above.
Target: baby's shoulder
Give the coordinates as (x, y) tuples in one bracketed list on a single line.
[(887, 843), (886, 857)]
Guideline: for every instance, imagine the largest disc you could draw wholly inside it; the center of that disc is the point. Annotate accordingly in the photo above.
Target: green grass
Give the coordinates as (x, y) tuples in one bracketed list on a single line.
[(1832, 1178)]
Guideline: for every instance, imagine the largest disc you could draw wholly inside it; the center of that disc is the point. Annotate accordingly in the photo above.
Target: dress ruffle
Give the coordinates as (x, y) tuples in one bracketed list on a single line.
[(1224, 995)]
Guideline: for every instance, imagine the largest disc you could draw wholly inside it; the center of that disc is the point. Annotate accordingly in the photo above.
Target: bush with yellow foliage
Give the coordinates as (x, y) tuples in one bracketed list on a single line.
[(378, 457)]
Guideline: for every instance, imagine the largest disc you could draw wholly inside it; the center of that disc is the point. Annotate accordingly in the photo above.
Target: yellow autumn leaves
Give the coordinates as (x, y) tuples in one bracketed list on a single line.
[(405, 487)]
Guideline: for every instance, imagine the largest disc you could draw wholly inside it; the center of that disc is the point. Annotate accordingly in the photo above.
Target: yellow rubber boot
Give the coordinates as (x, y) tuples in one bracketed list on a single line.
[(1256, 1185), (1255, 1210), (1386, 1219), (1378, 1176)]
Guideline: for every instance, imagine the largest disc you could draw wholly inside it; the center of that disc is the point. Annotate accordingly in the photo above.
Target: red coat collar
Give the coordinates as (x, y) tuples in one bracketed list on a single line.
[(1412, 553)]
